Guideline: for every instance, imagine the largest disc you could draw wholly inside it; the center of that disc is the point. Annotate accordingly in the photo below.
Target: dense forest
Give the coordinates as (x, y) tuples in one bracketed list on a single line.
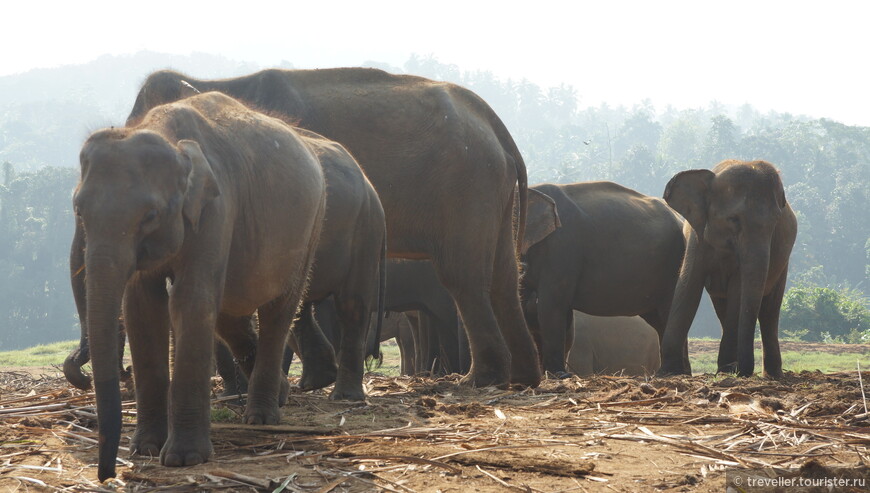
[(45, 115)]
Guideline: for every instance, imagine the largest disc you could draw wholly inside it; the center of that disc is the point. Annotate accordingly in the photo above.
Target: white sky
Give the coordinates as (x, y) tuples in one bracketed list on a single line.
[(800, 57)]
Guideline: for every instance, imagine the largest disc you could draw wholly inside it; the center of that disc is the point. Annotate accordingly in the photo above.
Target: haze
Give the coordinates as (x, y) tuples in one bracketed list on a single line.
[(797, 57)]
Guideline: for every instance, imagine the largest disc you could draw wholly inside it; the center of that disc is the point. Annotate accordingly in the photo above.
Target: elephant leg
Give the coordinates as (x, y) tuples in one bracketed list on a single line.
[(768, 320), (235, 382), (414, 331), (728, 311), (267, 386), (442, 323), (555, 318), (525, 369), (405, 340), (193, 314), (432, 363), (530, 313), (469, 285), (239, 335), (147, 325), (319, 367), (354, 314), (657, 319)]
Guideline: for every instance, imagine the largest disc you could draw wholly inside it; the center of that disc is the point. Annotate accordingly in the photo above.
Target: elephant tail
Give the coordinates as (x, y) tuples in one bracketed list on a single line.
[(523, 186), (374, 357), (514, 156)]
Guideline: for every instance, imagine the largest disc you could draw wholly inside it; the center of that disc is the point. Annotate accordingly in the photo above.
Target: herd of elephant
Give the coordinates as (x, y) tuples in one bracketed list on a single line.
[(234, 209)]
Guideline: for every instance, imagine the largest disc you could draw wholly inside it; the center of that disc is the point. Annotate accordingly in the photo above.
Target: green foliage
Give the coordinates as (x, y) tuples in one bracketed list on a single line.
[(224, 415), (826, 314), (36, 225)]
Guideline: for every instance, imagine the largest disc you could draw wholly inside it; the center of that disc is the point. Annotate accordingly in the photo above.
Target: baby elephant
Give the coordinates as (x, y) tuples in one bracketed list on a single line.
[(625, 345)]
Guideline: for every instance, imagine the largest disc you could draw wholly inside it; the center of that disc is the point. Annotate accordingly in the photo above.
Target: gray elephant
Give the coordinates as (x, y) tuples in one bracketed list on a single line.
[(599, 248), (194, 218), (739, 234), (446, 170), (613, 345), (349, 257), (397, 325), (437, 339)]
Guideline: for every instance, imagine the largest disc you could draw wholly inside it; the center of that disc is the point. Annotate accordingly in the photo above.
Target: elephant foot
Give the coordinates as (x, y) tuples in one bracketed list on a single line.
[(670, 372), (254, 416), (148, 442), (347, 394), (559, 374), (283, 392), (527, 378), (730, 368), (483, 378), (186, 451), (776, 374), (313, 379)]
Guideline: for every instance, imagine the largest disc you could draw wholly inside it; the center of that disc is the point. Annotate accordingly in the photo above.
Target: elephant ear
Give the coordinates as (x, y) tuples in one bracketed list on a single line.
[(687, 193), (542, 219), (201, 183)]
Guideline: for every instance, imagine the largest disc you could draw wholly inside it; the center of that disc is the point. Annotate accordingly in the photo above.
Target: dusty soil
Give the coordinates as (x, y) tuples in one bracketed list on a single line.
[(418, 434)]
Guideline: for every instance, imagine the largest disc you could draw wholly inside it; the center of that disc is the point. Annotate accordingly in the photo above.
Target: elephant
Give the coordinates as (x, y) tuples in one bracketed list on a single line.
[(411, 286), (739, 234), (624, 345), (599, 248), (397, 325), (448, 174), (350, 253), (193, 219)]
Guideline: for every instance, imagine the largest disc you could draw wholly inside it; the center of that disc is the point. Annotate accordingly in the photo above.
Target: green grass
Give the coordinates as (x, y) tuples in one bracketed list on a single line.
[(792, 361), (55, 353), (42, 355)]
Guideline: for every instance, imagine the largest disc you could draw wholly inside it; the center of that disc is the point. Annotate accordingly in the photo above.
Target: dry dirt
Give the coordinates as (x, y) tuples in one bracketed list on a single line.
[(418, 434)]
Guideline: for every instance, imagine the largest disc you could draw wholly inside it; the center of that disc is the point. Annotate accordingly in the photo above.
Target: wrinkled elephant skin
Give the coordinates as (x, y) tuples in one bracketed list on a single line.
[(599, 248), (739, 235), (446, 170), (224, 203), (613, 345)]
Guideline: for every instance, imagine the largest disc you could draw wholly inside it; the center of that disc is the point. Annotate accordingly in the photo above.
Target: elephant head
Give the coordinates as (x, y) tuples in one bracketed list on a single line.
[(137, 196), (734, 212), (164, 86)]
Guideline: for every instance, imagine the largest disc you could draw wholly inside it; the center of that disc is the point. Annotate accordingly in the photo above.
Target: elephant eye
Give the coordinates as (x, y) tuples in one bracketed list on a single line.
[(150, 216)]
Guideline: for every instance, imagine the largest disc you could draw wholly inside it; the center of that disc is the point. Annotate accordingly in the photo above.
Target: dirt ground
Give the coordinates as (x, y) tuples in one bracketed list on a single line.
[(605, 433)]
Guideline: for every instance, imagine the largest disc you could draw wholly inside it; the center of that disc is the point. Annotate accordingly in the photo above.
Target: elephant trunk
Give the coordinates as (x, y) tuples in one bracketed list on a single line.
[(754, 262), (72, 366), (107, 277)]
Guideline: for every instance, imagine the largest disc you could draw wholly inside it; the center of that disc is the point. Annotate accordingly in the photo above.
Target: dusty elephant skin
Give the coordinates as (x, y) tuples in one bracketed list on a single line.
[(433, 340), (437, 337), (599, 248), (613, 345), (739, 234), (445, 168), (348, 266), (227, 205)]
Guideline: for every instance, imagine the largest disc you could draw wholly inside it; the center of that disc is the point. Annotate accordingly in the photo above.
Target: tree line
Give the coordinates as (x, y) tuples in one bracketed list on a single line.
[(825, 167)]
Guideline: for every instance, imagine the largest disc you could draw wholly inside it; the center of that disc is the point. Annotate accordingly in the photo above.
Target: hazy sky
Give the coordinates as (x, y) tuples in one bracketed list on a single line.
[(789, 56)]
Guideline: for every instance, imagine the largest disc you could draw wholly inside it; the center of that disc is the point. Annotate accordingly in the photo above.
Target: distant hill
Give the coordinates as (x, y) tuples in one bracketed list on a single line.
[(45, 114)]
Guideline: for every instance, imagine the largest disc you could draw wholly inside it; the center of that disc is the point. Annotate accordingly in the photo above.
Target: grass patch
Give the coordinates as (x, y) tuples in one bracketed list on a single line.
[(42, 355), (792, 361)]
